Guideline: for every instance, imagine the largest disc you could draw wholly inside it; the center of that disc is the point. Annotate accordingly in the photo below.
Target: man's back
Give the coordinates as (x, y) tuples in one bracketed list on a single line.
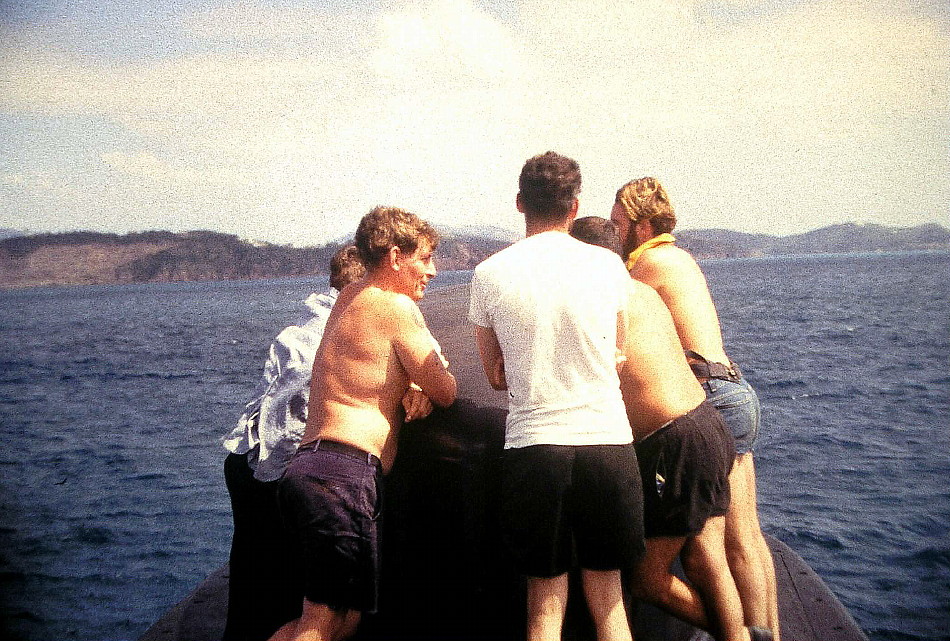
[(679, 281), (657, 382), (554, 304)]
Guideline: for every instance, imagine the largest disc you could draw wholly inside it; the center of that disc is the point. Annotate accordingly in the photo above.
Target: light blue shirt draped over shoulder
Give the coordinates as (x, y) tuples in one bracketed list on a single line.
[(273, 423)]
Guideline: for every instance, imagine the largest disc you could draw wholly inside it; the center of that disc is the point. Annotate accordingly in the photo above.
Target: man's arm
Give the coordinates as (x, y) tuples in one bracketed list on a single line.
[(493, 361), (423, 363)]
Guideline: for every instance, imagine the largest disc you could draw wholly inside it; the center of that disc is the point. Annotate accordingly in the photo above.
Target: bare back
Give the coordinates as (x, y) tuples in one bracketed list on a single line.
[(375, 342), (656, 380), (679, 281)]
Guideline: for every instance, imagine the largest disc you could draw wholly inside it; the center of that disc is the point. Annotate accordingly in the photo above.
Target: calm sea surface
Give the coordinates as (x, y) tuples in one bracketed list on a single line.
[(113, 401)]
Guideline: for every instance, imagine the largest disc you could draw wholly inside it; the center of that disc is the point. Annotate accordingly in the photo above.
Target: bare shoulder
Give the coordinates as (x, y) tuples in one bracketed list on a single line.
[(642, 292), (644, 299), (400, 310), (668, 257), (666, 265)]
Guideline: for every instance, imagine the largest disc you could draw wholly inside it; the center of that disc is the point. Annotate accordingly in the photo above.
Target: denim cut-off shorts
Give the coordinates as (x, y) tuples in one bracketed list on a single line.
[(738, 404)]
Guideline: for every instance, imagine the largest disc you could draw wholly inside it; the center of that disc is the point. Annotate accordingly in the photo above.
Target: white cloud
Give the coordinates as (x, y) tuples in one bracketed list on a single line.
[(298, 120)]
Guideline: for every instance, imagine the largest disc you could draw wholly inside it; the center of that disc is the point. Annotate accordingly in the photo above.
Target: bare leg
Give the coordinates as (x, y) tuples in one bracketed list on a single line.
[(604, 594), (319, 622), (547, 600), (656, 583), (704, 560), (747, 551)]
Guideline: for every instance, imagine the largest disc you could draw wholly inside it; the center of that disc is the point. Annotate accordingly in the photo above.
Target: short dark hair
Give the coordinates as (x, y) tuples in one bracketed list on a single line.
[(548, 185), (386, 227), (595, 230), (345, 267)]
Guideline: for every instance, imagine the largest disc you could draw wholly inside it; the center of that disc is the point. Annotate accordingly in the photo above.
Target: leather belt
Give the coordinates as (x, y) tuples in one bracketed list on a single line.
[(341, 448)]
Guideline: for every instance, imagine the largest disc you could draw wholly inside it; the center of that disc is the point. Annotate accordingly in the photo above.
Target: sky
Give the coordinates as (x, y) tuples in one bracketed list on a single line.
[(285, 121)]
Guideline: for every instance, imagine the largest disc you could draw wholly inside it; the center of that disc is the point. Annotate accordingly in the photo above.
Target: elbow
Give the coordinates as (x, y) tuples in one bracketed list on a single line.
[(448, 395)]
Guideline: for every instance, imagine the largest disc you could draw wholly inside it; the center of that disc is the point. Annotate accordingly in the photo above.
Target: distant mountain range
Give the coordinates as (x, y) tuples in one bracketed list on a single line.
[(88, 258), (848, 238)]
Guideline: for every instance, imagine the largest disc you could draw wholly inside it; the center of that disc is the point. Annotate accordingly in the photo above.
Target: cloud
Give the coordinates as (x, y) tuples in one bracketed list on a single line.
[(287, 123)]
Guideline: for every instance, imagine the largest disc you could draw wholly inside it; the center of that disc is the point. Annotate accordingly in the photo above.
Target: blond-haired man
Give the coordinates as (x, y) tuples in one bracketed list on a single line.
[(645, 219)]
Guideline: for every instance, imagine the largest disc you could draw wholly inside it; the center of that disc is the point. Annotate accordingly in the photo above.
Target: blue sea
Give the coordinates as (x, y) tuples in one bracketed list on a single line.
[(113, 401)]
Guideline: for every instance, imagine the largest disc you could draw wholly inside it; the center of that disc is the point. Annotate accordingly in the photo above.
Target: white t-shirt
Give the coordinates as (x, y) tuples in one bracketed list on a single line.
[(553, 302)]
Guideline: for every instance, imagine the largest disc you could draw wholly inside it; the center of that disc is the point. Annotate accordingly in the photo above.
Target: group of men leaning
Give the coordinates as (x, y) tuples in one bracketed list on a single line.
[(628, 438)]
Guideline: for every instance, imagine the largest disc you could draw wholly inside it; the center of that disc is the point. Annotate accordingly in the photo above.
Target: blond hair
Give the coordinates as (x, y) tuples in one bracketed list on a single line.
[(645, 199)]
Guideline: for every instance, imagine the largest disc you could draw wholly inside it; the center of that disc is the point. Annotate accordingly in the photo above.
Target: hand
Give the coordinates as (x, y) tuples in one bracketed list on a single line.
[(416, 403)]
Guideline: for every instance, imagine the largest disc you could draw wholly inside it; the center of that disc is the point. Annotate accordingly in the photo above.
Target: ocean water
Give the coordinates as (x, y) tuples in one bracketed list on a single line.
[(113, 401)]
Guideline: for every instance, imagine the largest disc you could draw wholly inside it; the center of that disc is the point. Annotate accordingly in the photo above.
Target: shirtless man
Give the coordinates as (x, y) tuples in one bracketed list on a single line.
[(375, 343), (684, 454), (644, 218)]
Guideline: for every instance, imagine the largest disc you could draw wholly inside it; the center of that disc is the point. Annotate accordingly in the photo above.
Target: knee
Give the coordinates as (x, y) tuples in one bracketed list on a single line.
[(742, 550), (639, 587), (650, 585), (697, 563), (706, 554)]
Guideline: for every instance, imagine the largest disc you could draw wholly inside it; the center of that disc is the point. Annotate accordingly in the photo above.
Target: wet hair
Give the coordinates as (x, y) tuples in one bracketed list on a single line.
[(548, 185), (645, 199), (345, 267), (595, 230), (386, 227)]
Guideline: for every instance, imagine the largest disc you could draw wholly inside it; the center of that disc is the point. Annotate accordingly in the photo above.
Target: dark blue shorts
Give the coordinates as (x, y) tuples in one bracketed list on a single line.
[(330, 501), (684, 467), (558, 498)]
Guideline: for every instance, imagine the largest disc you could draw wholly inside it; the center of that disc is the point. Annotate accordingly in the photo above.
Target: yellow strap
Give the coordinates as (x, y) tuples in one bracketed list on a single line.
[(662, 239)]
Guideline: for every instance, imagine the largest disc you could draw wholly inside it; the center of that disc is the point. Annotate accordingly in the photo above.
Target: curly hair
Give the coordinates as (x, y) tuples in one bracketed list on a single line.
[(645, 199), (345, 267), (386, 227), (548, 185)]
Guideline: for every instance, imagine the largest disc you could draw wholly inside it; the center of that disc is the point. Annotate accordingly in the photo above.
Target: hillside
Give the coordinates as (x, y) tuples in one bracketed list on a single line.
[(847, 238), (91, 258)]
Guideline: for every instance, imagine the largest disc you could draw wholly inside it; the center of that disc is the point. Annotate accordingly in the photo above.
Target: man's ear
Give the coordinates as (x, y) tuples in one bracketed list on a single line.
[(394, 255), (572, 214), (518, 204)]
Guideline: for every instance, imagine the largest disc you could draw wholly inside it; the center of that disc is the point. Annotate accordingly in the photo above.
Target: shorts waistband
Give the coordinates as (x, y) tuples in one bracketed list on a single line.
[(706, 369), (672, 421), (341, 448)]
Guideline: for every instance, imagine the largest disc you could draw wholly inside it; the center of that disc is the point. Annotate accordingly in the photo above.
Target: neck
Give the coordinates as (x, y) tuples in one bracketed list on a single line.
[(536, 226), (382, 278)]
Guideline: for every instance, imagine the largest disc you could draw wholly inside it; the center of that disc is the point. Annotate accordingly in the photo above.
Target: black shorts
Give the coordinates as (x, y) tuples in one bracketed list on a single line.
[(330, 501), (685, 469), (555, 498)]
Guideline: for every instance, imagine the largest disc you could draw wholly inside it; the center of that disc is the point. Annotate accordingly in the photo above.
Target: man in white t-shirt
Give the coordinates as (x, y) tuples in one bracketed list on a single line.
[(549, 315)]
